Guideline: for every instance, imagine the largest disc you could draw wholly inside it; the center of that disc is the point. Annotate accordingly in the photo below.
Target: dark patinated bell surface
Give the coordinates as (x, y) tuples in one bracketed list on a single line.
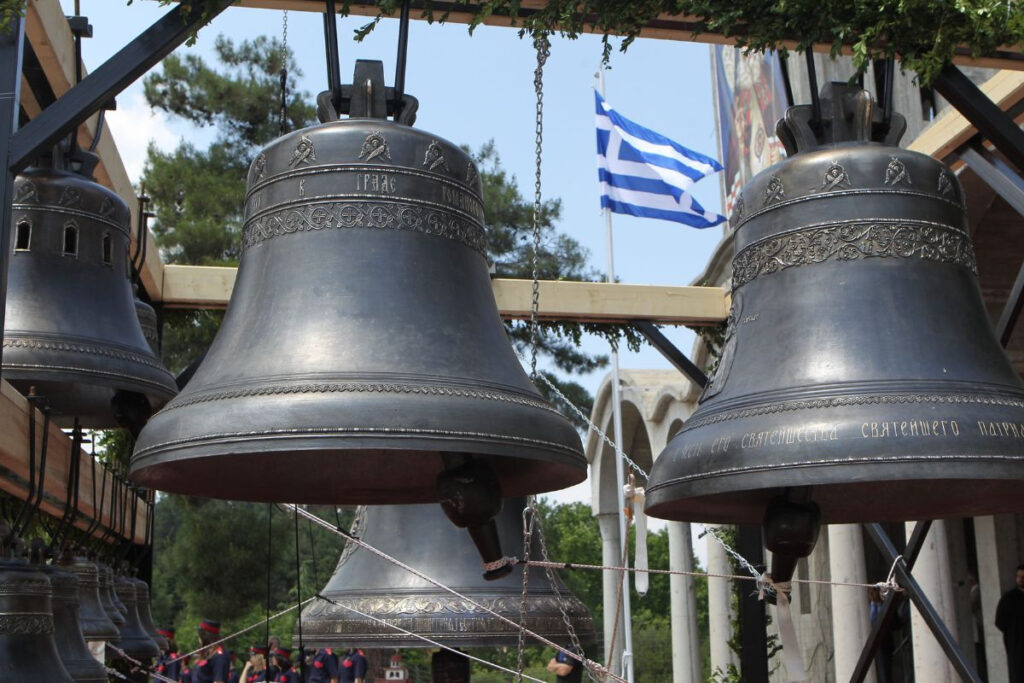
[(74, 653), (92, 617), (28, 652), (362, 352), (421, 536), (145, 616), (71, 328), (134, 639), (859, 364)]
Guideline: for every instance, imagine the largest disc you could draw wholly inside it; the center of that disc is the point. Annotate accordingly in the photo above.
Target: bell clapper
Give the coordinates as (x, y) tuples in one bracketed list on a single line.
[(470, 495), (791, 526)]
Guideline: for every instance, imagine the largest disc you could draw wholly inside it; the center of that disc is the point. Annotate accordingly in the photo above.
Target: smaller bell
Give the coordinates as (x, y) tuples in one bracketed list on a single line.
[(107, 597), (148, 322), (74, 652), (28, 652), (134, 639), (93, 618), (145, 617)]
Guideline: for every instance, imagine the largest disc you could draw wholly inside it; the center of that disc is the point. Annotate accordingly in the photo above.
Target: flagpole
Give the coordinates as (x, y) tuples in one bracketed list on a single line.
[(627, 630)]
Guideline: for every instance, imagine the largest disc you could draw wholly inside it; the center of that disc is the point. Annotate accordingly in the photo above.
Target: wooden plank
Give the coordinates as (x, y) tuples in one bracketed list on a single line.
[(46, 28), (210, 287), (665, 27), (951, 129), (14, 472)]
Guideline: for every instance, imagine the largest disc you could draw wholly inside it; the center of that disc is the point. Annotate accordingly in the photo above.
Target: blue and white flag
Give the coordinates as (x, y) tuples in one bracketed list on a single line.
[(645, 174)]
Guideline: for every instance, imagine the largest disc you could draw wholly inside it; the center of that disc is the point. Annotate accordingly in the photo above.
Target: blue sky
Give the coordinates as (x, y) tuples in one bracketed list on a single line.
[(475, 88)]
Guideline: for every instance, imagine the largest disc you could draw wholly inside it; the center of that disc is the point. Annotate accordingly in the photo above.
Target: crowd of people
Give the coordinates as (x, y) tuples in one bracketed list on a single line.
[(266, 662)]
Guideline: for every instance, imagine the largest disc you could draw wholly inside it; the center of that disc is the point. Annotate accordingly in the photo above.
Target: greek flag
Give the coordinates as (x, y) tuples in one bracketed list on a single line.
[(645, 174)]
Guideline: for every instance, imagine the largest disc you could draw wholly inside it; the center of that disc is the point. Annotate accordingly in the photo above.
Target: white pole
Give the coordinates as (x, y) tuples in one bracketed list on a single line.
[(627, 623)]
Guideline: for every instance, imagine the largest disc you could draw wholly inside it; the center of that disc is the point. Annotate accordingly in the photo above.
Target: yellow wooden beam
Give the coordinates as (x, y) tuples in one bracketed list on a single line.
[(46, 29), (666, 27), (210, 287), (951, 129), (14, 463)]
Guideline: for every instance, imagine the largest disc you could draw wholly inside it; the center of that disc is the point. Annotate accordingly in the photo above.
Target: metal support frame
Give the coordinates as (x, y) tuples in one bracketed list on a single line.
[(672, 354), (902, 564), (113, 76), (1010, 186), (753, 614), (11, 49), (991, 121)]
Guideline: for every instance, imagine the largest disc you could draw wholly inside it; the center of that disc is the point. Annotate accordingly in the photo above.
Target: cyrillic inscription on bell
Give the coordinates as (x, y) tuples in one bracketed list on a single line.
[(859, 367), (362, 342), (71, 330)]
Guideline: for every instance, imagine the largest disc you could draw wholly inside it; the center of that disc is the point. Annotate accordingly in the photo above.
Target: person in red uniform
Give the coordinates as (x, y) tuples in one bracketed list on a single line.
[(214, 663), (167, 663), (325, 667), (353, 667), (255, 670), (283, 660)]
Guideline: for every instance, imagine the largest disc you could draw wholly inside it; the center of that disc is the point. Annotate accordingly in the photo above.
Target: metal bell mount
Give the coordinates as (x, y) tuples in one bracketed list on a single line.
[(860, 379), (420, 536), (70, 328)]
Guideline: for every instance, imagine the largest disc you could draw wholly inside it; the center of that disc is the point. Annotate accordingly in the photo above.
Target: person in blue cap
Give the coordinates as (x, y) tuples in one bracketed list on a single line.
[(283, 661), (214, 663), (324, 668)]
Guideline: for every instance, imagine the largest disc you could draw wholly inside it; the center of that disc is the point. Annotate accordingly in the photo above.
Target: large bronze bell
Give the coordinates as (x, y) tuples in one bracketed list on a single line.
[(860, 379), (71, 645), (28, 652), (93, 618), (362, 354), (420, 536), (134, 639), (71, 329)]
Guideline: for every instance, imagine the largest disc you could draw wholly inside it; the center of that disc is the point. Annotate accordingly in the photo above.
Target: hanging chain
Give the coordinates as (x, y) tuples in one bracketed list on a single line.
[(284, 74), (527, 534), (543, 47), (552, 578)]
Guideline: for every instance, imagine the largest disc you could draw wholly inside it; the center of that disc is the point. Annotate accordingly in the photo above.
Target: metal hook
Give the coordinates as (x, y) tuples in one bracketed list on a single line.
[(812, 80), (331, 45), (400, 61), (890, 83)]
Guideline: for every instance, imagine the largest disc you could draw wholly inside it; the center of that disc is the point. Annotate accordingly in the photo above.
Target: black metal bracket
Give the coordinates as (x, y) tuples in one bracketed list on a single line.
[(674, 356), (991, 121), (1010, 186), (113, 76), (902, 564)]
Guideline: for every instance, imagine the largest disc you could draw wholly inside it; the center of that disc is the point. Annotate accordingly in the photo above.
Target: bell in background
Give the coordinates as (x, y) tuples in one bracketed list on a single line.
[(71, 645), (145, 617), (362, 358), (420, 536), (28, 652), (92, 617), (71, 329), (108, 597), (860, 379), (134, 639)]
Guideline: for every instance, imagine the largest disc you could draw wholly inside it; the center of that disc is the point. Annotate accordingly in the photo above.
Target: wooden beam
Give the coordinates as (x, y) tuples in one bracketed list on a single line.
[(666, 27), (952, 129), (14, 462), (210, 287), (46, 28)]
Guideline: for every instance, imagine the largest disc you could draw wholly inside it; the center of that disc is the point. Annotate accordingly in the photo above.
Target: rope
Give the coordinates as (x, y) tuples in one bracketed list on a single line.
[(139, 665), (270, 541), (430, 641), (888, 584), (244, 630), (298, 588), (470, 601), (618, 602), (527, 534)]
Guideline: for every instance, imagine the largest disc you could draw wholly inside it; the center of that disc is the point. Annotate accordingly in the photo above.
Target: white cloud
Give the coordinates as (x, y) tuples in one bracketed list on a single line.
[(133, 126)]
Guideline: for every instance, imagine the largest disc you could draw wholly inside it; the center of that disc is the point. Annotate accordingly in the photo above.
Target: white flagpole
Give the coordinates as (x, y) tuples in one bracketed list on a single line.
[(627, 622)]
